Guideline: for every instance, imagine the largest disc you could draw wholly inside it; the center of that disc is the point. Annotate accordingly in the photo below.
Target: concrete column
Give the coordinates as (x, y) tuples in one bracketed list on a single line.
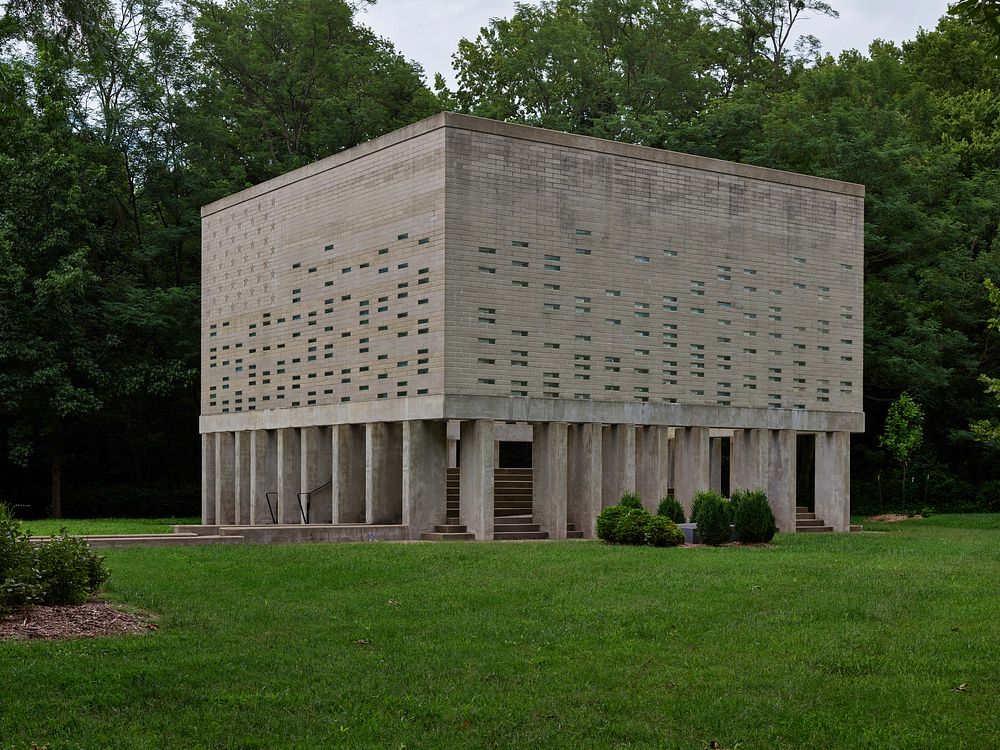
[(384, 472), (475, 503), (691, 464), (715, 463), (263, 474), (549, 465), (243, 490), (317, 469), (225, 478), (425, 469), (749, 464), (618, 454), (833, 479), (452, 454), (289, 475), (347, 460), (496, 452), (648, 466), (208, 478), (781, 479), (671, 450), (584, 480)]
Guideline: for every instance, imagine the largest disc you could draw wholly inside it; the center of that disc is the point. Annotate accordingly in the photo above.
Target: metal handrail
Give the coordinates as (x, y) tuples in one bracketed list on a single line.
[(273, 510), (304, 512)]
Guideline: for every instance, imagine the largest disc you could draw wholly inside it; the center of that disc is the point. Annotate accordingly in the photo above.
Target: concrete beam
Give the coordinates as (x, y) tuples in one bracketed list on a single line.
[(384, 472), (347, 459), (618, 464), (425, 484), (691, 464), (833, 479), (549, 464), (475, 505)]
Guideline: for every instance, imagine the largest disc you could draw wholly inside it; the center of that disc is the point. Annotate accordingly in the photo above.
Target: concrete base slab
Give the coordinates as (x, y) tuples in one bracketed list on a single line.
[(287, 534)]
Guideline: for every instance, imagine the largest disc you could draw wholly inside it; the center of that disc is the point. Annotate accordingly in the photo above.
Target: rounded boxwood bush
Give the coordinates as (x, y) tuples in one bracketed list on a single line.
[(753, 517), (632, 526), (663, 532), (670, 508), (630, 499), (69, 569), (607, 523), (711, 512)]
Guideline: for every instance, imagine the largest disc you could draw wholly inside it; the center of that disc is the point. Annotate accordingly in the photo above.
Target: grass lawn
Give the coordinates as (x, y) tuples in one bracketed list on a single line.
[(105, 525), (822, 641)]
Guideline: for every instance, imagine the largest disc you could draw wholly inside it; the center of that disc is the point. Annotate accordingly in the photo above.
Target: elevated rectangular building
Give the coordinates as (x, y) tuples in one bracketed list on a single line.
[(628, 304)]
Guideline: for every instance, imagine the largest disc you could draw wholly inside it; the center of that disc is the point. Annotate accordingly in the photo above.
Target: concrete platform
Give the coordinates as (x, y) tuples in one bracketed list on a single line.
[(158, 540), (291, 533)]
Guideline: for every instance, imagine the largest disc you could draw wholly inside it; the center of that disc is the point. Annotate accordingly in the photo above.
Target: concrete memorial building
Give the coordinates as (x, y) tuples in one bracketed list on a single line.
[(388, 316)]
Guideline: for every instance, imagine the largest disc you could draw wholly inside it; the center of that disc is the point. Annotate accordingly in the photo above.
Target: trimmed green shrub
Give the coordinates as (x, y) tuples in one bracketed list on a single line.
[(711, 512), (663, 532), (70, 571), (670, 508), (753, 517), (630, 499), (632, 526), (607, 523), (20, 583)]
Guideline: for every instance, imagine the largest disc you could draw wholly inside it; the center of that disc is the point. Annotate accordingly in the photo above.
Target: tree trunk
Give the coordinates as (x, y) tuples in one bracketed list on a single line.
[(57, 462)]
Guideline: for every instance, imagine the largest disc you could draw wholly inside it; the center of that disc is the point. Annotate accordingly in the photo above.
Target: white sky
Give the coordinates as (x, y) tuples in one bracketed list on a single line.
[(428, 30)]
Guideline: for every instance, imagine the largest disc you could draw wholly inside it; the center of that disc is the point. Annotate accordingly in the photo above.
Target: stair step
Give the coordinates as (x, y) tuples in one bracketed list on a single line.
[(451, 528), (802, 523), (508, 535), (437, 536), (856, 527), (805, 516), (812, 529), (570, 534), (502, 527)]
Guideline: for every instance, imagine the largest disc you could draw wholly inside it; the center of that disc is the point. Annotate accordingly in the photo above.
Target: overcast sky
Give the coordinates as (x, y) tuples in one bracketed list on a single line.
[(428, 30)]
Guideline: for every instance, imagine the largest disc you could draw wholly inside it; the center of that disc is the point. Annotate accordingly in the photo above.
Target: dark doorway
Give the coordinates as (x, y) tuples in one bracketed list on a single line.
[(805, 471), (515, 455), (726, 448)]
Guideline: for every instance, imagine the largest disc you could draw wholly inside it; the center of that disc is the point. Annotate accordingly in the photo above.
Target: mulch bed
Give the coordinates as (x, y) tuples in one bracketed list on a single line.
[(94, 619)]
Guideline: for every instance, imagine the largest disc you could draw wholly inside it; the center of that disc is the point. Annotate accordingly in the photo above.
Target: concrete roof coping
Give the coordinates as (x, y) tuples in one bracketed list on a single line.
[(536, 135)]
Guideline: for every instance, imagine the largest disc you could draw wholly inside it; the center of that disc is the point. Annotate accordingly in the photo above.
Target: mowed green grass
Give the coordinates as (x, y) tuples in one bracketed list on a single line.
[(887, 640), (50, 526)]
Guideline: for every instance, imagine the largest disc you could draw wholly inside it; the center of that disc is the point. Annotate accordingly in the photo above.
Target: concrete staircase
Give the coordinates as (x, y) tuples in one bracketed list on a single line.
[(806, 522)]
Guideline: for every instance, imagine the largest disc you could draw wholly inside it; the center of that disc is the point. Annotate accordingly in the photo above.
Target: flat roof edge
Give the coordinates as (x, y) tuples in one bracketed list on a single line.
[(535, 135)]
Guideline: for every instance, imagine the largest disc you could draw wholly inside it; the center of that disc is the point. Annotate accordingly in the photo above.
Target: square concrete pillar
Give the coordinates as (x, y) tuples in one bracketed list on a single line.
[(781, 479), (475, 499), (208, 478), (649, 466), (665, 469), (384, 472), (691, 464), (425, 471), (317, 469), (289, 475), (347, 460), (715, 463), (225, 478), (833, 479), (749, 462), (263, 474), (671, 446), (549, 467), (585, 487), (618, 455), (243, 487)]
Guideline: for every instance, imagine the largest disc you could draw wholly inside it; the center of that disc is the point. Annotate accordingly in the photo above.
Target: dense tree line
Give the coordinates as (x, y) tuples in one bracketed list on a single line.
[(120, 118)]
